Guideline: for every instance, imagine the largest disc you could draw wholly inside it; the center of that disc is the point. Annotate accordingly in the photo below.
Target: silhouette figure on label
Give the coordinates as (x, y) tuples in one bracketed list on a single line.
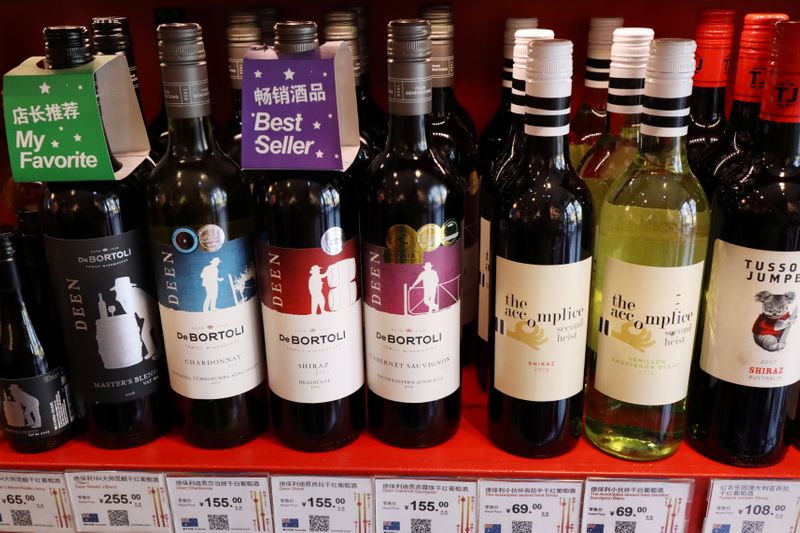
[(20, 408), (315, 284), (430, 283), (210, 281)]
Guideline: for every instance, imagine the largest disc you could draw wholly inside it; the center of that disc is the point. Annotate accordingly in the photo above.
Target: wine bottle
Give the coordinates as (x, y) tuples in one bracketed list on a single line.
[(310, 287), (651, 243), (267, 17), (618, 145), (589, 120), (509, 158), (411, 233), (200, 215), (38, 412), (242, 32), (542, 241), (714, 36), (35, 274), (96, 244), (158, 128), (736, 142), (747, 364)]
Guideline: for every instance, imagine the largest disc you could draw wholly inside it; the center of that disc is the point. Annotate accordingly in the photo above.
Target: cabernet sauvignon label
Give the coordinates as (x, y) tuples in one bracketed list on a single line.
[(542, 320), (412, 313), (311, 307), (647, 325), (484, 279), (207, 296), (38, 407), (104, 294), (749, 335)]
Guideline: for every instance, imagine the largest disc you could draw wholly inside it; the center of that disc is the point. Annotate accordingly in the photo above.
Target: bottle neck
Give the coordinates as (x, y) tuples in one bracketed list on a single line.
[(190, 129), (443, 100), (708, 105), (10, 285), (779, 144), (623, 124), (551, 150), (236, 105), (595, 98), (744, 116), (410, 106), (664, 152), (191, 136), (409, 133)]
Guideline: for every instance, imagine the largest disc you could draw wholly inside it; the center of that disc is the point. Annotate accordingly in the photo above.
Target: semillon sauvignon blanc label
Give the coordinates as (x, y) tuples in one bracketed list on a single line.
[(312, 319), (207, 296), (749, 335), (412, 313)]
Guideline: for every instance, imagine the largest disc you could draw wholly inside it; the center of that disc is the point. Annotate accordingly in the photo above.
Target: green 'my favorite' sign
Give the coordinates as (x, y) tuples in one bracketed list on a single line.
[(54, 121)]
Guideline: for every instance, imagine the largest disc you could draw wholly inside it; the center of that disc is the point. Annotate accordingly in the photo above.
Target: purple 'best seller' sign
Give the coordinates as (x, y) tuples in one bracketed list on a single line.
[(289, 113)]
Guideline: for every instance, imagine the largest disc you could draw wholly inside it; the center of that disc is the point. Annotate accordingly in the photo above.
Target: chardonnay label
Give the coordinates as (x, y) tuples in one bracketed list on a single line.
[(104, 293), (484, 279), (209, 309), (311, 308), (412, 313), (749, 335), (647, 325), (542, 319), (37, 407)]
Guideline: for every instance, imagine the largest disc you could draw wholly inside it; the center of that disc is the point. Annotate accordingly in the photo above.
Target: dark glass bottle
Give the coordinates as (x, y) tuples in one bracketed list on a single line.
[(267, 17), (745, 363), (736, 142), (113, 335), (542, 239), (589, 120), (158, 128), (308, 245), (200, 216), (506, 163), (714, 37), (38, 411), (411, 231), (35, 274)]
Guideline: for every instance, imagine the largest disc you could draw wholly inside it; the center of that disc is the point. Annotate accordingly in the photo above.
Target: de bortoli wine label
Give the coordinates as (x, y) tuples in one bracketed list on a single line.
[(209, 309), (646, 330), (37, 407), (412, 312), (542, 314), (749, 335), (104, 293), (311, 306)]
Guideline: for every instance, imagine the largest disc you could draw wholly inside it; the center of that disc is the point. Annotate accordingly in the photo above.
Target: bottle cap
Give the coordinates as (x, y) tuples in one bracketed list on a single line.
[(549, 56), (361, 15), (512, 25), (668, 87), (781, 102), (409, 40), (408, 50), (759, 29), (180, 42), (629, 54), (295, 36), (751, 67), (342, 25), (716, 16), (242, 27), (267, 17), (66, 46), (437, 13), (549, 87), (598, 53), (242, 17), (520, 70)]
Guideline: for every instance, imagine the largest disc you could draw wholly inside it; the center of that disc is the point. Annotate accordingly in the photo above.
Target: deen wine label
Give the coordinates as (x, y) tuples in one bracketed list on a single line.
[(109, 315), (36, 407)]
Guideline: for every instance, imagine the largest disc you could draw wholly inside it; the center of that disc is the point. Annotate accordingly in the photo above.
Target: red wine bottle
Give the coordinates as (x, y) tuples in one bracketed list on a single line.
[(542, 240), (746, 364), (158, 127), (310, 287), (411, 233)]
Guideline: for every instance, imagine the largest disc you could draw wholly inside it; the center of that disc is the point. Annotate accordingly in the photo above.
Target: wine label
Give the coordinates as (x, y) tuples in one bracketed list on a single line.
[(751, 71), (412, 313), (542, 314), (781, 98), (104, 293), (712, 61), (38, 407), (749, 335), (210, 312), (311, 307), (647, 324), (484, 279)]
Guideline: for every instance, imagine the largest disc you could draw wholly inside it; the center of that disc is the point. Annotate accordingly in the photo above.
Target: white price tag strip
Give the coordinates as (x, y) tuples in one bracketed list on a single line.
[(224, 503), (34, 501), (515, 506), (753, 506), (119, 501), (310, 503), (424, 506), (635, 505)]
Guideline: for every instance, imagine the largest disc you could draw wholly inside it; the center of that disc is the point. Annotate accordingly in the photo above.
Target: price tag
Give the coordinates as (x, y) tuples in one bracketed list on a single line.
[(635, 505), (424, 505), (304, 504), (34, 501), (513, 506), (234, 503), (753, 505), (119, 501)]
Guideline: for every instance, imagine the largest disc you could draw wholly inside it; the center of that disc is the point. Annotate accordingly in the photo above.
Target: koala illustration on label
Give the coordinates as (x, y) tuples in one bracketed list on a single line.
[(773, 324)]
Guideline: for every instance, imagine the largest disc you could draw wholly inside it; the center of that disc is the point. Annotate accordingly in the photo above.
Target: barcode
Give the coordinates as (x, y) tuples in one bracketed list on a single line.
[(21, 518), (420, 525), (623, 526), (118, 518), (319, 523), (521, 526), (218, 522), (749, 526)]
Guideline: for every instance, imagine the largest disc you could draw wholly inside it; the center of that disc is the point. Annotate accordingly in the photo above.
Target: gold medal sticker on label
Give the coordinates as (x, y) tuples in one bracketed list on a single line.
[(212, 237), (402, 245), (451, 232), (430, 237)]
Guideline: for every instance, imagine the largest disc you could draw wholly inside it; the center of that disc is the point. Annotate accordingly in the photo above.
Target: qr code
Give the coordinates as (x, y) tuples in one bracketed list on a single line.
[(218, 522), (21, 518), (521, 526), (420, 525), (118, 518), (319, 523), (749, 526), (624, 526)]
